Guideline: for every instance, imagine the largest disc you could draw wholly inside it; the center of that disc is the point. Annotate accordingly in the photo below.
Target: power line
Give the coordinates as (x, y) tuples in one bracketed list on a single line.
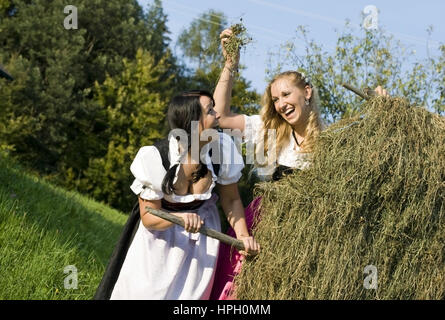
[(250, 26), (298, 12), (407, 37)]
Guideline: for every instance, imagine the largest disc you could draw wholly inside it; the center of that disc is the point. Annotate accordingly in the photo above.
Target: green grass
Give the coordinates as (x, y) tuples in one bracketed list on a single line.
[(43, 229)]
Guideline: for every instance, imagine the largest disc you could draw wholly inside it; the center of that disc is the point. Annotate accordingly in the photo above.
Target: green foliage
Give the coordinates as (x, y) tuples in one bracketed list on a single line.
[(42, 101), (17, 123), (115, 30), (133, 106), (200, 43), (56, 116), (367, 60), (4, 5)]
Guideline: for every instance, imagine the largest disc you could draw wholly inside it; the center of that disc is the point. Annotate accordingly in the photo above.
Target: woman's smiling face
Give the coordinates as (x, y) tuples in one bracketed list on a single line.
[(289, 100), (209, 117)]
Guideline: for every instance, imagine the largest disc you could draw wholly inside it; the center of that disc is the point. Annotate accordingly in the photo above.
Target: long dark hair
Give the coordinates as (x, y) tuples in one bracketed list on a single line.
[(182, 110)]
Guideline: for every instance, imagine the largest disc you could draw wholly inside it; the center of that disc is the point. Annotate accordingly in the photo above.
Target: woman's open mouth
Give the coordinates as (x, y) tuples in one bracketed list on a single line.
[(289, 112)]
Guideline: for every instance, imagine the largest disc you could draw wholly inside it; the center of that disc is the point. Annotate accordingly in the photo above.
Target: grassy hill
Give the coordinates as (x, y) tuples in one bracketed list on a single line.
[(44, 229)]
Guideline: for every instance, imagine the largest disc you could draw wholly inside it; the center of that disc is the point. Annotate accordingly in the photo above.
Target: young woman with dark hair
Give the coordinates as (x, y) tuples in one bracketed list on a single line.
[(166, 261)]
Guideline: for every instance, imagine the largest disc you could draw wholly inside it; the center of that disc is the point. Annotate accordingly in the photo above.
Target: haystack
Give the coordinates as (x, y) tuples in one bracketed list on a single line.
[(374, 197)]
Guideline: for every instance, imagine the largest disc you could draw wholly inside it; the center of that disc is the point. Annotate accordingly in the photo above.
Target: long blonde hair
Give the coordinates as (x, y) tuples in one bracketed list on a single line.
[(273, 120)]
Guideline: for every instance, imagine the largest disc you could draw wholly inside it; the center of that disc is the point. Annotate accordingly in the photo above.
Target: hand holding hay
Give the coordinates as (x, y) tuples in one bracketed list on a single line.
[(232, 39)]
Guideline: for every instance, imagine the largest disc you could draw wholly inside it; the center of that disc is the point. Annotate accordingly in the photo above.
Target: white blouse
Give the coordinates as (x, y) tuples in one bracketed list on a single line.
[(173, 263), (149, 172), (289, 155)]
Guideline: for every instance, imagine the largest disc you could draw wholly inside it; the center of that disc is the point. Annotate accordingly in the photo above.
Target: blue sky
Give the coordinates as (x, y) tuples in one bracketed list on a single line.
[(272, 23)]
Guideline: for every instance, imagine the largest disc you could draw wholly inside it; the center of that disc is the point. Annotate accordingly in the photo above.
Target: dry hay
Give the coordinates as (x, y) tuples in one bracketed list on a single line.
[(239, 38), (373, 196)]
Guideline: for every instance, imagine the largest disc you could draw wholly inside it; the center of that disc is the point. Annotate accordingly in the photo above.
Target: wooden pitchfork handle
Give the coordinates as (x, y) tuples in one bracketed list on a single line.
[(238, 244), (366, 94)]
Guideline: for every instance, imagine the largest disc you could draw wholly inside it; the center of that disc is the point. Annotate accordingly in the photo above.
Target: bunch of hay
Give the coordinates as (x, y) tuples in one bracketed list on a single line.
[(373, 196), (239, 38)]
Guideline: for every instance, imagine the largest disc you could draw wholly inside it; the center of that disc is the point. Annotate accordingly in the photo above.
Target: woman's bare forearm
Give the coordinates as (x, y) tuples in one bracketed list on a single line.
[(236, 218), (233, 208), (150, 221), (223, 91)]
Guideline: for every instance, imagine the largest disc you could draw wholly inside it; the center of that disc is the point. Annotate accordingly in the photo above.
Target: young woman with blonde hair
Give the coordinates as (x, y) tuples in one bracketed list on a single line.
[(283, 133)]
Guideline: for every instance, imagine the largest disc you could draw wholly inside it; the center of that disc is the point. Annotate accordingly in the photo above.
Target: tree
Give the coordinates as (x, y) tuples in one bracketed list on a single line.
[(200, 44), (158, 38), (44, 94), (200, 41), (53, 117), (15, 124), (4, 5), (134, 108), (367, 60)]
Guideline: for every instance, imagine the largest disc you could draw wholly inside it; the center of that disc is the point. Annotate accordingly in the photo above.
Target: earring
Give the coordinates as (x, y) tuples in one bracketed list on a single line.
[(306, 102)]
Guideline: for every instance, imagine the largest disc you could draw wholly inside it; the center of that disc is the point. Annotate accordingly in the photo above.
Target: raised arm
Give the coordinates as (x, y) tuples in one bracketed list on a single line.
[(223, 90)]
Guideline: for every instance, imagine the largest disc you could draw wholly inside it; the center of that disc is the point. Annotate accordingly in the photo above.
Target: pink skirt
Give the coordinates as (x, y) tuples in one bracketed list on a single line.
[(230, 260)]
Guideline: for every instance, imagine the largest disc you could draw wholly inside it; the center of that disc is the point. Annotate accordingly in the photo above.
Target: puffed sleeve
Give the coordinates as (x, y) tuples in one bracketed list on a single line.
[(232, 164), (252, 128), (149, 172)]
